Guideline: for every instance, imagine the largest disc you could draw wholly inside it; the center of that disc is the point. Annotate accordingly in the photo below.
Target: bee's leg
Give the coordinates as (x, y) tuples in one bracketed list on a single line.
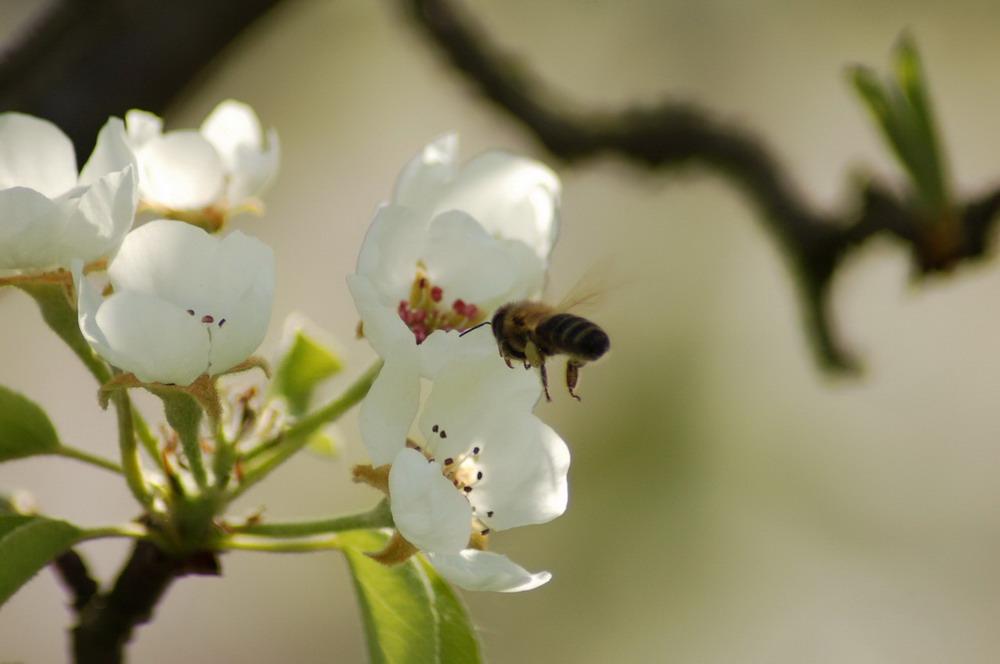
[(545, 380), (572, 373), (535, 358), (505, 355)]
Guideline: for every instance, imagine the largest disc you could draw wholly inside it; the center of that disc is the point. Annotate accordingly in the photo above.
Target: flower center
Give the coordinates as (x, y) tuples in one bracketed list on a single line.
[(464, 473), (426, 309)]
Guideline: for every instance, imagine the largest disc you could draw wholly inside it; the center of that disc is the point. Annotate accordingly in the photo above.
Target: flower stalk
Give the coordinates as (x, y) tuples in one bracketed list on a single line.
[(295, 437)]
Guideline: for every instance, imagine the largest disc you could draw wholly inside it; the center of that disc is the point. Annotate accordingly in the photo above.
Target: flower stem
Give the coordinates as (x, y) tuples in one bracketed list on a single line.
[(295, 437), (130, 450), (281, 546), (87, 457), (377, 517), (146, 437)]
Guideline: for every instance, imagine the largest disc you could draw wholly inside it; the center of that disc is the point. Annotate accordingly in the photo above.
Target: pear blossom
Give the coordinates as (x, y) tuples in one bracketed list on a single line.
[(484, 462), (50, 214), (455, 243), (209, 172), (184, 303)]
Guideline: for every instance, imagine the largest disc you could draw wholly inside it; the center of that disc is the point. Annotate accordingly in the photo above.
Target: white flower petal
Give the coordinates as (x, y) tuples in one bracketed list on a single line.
[(180, 170), (111, 154), (475, 266), (235, 131), (219, 291), (29, 224), (244, 289), (424, 177), (391, 404), (473, 399), (511, 196), (141, 126), (171, 259), (426, 509), (35, 153), (382, 324), (153, 339), (485, 570), (231, 125), (102, 217), (524, 475), (391, 250)]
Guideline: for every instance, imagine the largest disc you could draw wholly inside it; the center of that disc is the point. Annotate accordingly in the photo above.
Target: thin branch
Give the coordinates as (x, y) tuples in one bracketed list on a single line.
[(79, 61), (676, 135)]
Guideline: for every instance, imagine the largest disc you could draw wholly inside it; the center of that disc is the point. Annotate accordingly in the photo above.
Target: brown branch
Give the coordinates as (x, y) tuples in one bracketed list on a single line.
[(72, 571), (80, 61), (675, 135), (107, 620)]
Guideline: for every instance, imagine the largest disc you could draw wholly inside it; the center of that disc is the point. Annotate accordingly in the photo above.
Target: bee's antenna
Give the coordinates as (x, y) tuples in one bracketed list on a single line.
[(474, 327)]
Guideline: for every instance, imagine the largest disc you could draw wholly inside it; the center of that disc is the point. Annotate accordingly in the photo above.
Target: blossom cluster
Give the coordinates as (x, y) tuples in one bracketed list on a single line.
[(183, 303), (454, 243), (448, 426)]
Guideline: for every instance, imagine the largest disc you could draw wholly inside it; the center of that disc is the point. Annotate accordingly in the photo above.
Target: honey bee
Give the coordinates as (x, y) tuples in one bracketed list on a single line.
[(530, 332)]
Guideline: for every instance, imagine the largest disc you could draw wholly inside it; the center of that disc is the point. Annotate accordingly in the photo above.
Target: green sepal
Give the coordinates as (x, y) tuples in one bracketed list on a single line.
[(410, 615), (901, 107), (60, 315), (304, 364), (25, 429), (27, 544), (184, 411)]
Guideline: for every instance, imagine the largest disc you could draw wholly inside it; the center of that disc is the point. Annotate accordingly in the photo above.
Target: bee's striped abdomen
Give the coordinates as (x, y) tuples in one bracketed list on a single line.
[(566, 333)]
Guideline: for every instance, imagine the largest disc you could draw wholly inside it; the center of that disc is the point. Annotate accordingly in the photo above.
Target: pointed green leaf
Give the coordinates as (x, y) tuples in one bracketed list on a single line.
[(901, 108), (456, 635), (25, 429), (397, 609), (410, 614), (305, 364), (323, 444), (27, 544)]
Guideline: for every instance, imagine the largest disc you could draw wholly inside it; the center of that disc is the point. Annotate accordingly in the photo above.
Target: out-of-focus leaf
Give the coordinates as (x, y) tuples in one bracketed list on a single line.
[(323, 443), (410, 614), (27, 544), (902, 110), (305, 364), (25, 429)]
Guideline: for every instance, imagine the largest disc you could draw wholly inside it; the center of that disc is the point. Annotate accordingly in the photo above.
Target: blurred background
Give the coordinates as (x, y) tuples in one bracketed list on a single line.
[(728, 501)]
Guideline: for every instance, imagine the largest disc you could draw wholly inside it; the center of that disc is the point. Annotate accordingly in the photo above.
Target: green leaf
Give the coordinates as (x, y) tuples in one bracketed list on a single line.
[(25, 429), (901, 108), (305, 364), (323, 444), (456, 635), (27, 544), (410, 614)]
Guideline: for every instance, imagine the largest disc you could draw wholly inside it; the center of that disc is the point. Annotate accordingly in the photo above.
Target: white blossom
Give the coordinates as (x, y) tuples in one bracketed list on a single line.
[(184, 302), (456, 243), (483, 462), (220, 167), (50, 214)]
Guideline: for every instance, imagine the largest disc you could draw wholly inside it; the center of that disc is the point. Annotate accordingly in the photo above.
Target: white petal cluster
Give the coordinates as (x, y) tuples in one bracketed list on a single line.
[(432, 231), (50, 214), (456, 242), (484, 463), (218, 168), (184, 303)]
